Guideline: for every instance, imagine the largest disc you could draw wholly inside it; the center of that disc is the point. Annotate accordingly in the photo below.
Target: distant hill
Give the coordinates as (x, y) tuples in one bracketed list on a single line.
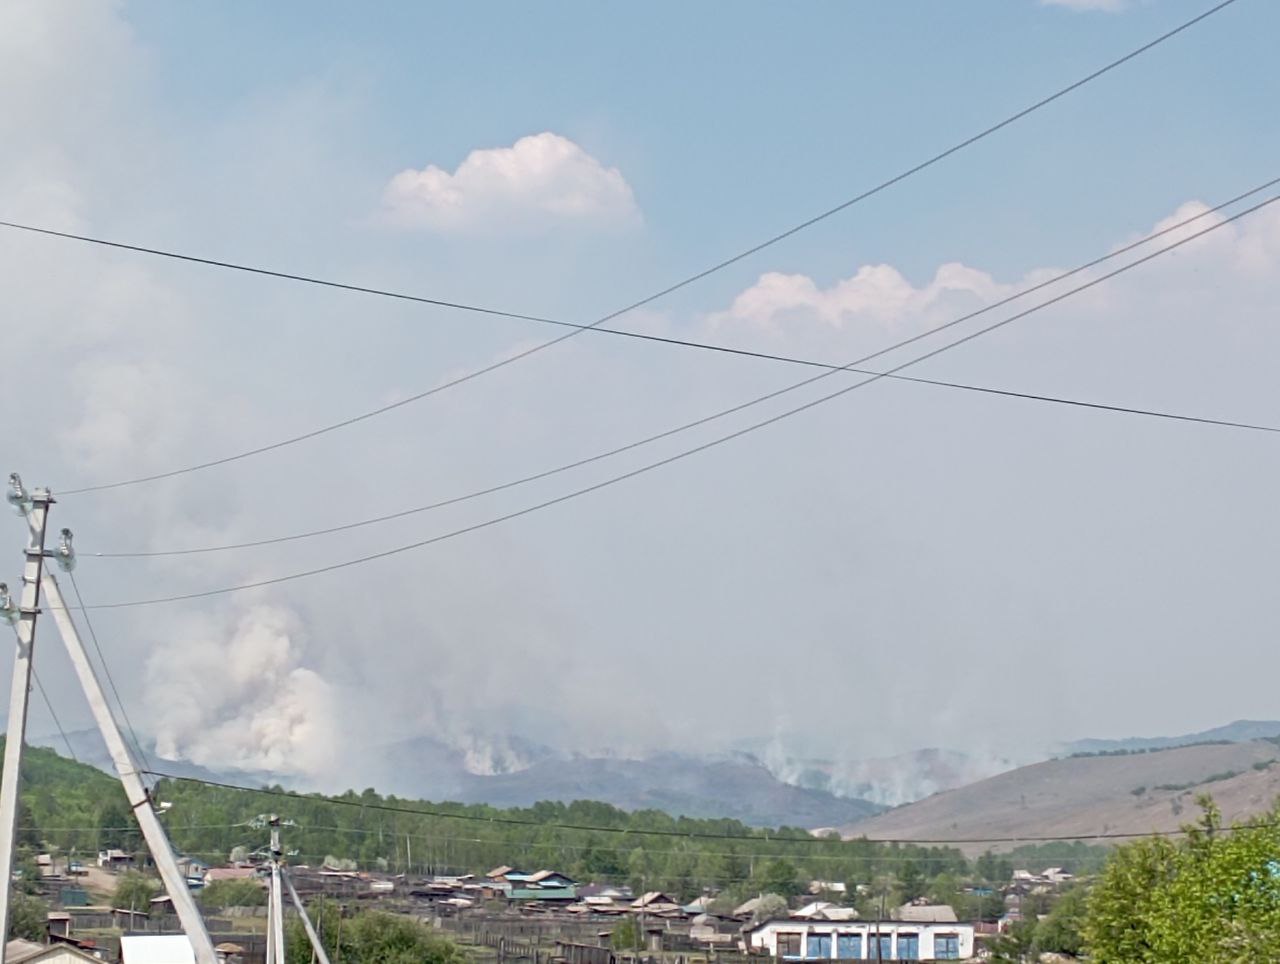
[(736, 786), (90, 749), (1132, 793), (1241, 731), (891, 780)]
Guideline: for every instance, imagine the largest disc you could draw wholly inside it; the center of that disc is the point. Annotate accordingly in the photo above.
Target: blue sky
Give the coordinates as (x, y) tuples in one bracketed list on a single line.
[(731, 126), (566, 159)]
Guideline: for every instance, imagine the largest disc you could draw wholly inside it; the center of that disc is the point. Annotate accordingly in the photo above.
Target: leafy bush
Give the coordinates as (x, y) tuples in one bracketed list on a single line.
[(233, 893)]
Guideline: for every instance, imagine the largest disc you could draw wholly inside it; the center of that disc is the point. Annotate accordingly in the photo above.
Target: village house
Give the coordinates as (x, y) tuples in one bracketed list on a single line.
[(825, 910), (26, 952), (890, 940), (114, 860), (543, 885), (657, 904), (714, 930)]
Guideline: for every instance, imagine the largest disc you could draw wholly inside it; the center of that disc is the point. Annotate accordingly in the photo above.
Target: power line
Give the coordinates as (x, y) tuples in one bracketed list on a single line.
[(652, 832), (56, 722), (648, 299), (829, 370), (106, 668), (712, 443)]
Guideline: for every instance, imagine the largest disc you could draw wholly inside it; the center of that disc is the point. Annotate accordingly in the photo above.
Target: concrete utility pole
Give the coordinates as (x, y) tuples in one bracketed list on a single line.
[(275, 898), (276, 909), (35, 507), (175, 883), (312, 936), (37, 578)]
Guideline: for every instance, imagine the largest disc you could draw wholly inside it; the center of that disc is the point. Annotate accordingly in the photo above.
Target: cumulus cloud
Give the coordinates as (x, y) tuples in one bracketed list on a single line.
[(243, 701), (876, 294), (541, 180)]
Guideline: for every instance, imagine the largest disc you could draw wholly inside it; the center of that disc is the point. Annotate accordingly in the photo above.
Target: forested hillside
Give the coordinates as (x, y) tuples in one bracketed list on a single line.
[(69, 806)]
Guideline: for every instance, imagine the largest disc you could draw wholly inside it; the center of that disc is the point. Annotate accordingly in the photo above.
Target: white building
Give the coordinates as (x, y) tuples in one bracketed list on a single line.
[(156, 949), (894, 940)]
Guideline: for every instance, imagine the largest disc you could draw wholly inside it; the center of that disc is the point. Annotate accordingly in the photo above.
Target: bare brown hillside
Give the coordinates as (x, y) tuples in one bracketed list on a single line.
[(1091, 795)]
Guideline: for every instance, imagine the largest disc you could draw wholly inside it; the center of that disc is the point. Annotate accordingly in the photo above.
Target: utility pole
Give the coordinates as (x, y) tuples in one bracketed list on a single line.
[(316, 944), (275, 897), (35, 507), (175, 883), (36, 579), (276, 910)]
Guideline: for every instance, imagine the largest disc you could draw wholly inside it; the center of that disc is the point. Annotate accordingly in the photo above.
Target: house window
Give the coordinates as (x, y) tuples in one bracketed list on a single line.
[(788, 945), (884, 947), (908, 947), (819, 947), (946, 947), (849, 947)]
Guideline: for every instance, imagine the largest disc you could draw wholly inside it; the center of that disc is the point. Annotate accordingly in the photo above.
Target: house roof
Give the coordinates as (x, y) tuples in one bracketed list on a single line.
[(156, 949), (652, 897), (499, 871), (605, 890), (813, 909), (927, 913), (26, 952), (542, 875), (231, 873)]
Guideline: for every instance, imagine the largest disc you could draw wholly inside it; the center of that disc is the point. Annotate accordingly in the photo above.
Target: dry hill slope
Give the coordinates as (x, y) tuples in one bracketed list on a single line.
[(1091, 795)]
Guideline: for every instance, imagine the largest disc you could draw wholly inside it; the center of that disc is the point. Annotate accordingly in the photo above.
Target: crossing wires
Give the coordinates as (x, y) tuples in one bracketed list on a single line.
[(686, 453), (828, 370), (639, 303)]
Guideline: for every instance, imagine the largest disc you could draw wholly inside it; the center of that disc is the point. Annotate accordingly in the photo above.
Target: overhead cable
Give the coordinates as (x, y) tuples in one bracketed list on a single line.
[(678, 456), (648, 299), (829, 369), (756, 838), (106, 669), (53, 714)]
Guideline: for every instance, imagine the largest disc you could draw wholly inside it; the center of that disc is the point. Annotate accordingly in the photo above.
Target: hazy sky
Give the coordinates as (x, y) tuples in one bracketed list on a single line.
[(906, 566)]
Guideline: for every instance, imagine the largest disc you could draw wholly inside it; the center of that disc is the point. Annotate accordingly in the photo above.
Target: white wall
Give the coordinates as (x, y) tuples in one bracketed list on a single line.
[(765, 937)]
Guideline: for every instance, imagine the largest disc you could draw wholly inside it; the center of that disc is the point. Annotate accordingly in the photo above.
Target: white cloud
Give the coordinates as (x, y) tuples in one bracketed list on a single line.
[(540, 180), (1107, 6), (877, 293)]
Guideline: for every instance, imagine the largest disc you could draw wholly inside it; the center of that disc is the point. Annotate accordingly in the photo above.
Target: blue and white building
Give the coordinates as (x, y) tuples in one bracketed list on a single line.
[(889, 940)]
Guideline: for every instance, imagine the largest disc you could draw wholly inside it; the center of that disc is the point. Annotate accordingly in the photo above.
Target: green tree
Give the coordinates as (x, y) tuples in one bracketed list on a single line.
[(233, 893), (1223, 905), (779, 876), (1060, 931), (28, 917), (771, 906), (993, 869), (626, 936), (371, 937), (1121, 914), (1016, 945), (1215, 899), (911, 881), (134, 891)]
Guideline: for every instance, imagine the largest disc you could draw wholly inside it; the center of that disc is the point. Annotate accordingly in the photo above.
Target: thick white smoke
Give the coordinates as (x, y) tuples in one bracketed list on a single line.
[(242, 699)]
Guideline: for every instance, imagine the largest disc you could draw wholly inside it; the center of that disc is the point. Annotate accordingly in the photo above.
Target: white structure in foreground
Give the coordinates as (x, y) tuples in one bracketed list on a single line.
[(157, 949), (892, 940)]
